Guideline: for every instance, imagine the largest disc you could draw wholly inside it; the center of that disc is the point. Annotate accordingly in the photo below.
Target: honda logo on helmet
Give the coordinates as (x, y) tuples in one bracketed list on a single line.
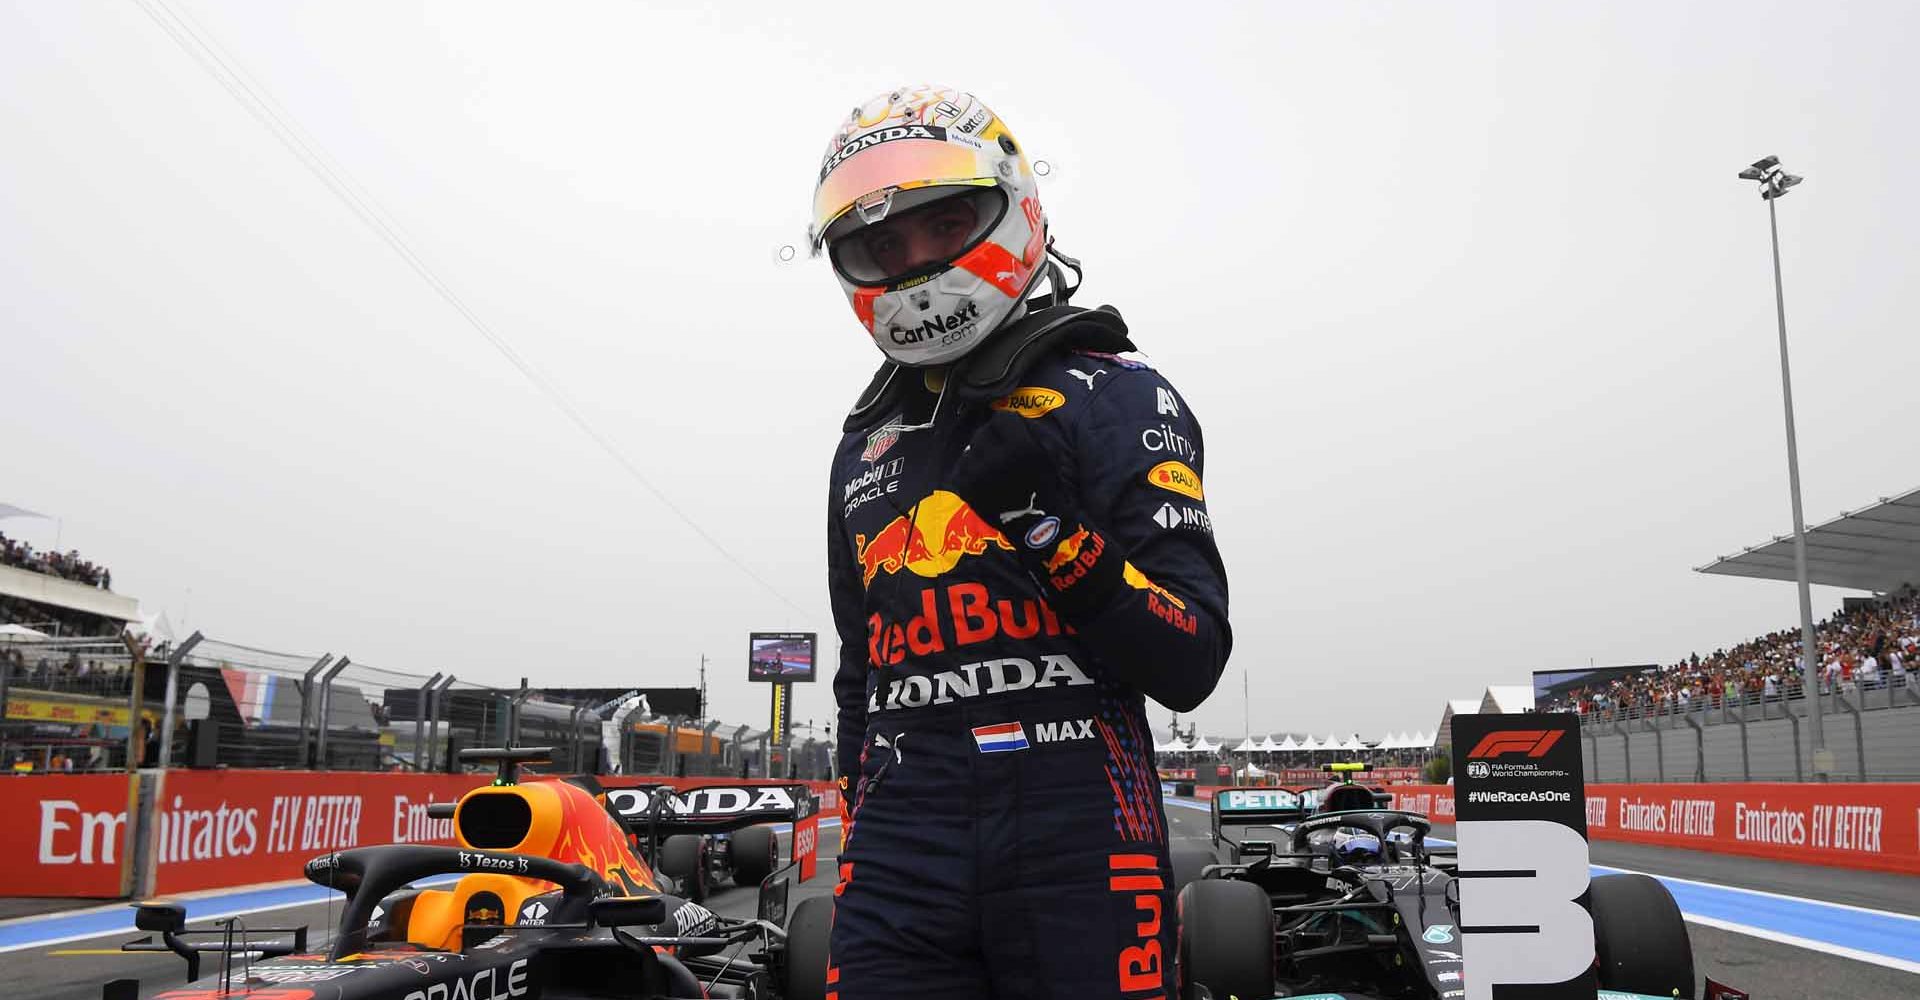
[(1532, 742), (875, 138)]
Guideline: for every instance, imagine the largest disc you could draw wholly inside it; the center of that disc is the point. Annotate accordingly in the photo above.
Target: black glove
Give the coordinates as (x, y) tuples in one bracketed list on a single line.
[(1007, 476)]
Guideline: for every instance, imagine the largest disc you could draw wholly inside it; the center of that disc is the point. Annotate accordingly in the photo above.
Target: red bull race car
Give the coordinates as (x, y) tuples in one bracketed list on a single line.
[(1327, 893), (545, 893), (704, 836)]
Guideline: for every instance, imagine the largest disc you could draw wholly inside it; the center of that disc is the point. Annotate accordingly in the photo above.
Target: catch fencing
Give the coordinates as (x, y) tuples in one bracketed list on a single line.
[(1873, 735), (101, 704)]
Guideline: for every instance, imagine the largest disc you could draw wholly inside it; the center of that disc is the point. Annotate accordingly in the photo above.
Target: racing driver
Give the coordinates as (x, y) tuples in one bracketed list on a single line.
[(1019, 554)]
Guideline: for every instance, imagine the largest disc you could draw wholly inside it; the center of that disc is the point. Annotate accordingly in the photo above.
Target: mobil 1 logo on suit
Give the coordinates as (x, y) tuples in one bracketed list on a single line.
[(1520, 804)]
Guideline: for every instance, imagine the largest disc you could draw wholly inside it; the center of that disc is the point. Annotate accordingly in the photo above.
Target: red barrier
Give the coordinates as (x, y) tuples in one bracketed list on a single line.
[(224, 828), (220, 828), (1867, 826), (73, 828)]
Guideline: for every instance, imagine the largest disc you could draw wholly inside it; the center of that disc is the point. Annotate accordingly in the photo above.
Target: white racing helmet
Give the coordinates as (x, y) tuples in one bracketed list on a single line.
[(937, 163)]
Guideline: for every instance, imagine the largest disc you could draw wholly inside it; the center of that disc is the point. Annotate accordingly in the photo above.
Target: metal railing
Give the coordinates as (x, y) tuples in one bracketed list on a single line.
[(1872, 734), (298, 711)]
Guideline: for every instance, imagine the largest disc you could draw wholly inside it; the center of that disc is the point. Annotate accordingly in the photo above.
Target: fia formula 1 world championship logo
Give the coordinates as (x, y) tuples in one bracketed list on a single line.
[(1532, 742)]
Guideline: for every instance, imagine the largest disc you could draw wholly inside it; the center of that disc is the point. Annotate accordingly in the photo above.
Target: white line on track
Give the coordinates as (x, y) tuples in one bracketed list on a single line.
[(1824, 947), (214, 895), (70, 938), (1762, 892)]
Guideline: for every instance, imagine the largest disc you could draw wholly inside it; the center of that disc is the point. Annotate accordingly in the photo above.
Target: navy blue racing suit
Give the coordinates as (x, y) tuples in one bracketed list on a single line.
[(1006, 835)]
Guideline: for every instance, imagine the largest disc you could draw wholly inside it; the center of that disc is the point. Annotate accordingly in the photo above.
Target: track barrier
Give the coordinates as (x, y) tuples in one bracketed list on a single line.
[(68, 835), (1874, 827)]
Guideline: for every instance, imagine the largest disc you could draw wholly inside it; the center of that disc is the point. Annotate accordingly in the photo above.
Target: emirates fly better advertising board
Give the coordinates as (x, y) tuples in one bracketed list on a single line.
[(1521, 823)]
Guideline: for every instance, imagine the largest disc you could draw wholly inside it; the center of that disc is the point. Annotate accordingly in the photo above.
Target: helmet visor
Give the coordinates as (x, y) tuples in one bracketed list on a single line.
[(920, 240), (901, 164)]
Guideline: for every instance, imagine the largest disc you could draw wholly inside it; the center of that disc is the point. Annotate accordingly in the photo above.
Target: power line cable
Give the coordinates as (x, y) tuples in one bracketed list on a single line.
[(205, 51)]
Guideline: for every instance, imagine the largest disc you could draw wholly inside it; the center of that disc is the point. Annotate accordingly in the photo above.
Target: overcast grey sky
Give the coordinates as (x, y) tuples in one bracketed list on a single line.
[(1476, 316)]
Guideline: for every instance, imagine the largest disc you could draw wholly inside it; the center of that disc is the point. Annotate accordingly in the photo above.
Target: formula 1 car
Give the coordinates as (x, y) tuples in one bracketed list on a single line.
[(551, 900), (1348, 899), (702, 836)]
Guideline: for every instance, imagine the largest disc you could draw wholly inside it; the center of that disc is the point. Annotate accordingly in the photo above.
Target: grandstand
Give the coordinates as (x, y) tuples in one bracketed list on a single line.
[(65, 678)]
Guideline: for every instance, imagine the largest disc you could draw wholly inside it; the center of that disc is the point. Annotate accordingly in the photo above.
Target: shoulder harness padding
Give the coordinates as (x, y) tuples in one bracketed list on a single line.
[(994, 369)]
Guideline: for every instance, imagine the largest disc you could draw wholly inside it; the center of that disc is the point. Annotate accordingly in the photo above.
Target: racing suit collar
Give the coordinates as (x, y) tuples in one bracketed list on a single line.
[(995, 367)]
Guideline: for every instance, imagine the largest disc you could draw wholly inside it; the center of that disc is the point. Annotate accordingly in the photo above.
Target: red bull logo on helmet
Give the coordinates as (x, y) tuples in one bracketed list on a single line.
[(941, 530)]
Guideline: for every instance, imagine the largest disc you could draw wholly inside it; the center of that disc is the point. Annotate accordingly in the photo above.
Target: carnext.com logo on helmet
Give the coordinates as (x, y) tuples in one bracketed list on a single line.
[(936, 327)]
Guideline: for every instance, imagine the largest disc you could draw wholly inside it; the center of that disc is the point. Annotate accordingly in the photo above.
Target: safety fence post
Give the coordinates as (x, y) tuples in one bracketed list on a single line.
[(174, 661), (433, 723), (626, 736), (1746, 762), (1699, 748), (1859, 733), (306, 686), (1799, 771), (420, 721), (513, 712), (326, 709)]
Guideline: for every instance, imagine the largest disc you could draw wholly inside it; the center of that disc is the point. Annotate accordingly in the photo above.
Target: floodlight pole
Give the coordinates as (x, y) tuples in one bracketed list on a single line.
[(1774, 182)]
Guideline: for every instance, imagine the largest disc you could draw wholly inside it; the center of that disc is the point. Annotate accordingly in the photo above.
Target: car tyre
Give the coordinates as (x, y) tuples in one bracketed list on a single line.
[(808, 933), (1189, 862), (1639, 937), (756, 853), (683, 858), (1226, 939)]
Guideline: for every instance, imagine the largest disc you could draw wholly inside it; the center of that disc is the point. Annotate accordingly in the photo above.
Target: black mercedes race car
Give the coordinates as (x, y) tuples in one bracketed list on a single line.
[(550, 899), (1348, 899)]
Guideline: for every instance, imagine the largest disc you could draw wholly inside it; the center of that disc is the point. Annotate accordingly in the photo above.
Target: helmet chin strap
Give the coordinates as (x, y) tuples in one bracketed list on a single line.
[(1058, 291)]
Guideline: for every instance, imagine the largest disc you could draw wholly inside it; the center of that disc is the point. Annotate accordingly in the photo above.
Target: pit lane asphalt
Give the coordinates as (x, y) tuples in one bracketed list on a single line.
[(75, 970)]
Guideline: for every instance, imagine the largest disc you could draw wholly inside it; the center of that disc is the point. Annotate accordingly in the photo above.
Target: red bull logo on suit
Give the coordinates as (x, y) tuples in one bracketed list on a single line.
[(929, 540)]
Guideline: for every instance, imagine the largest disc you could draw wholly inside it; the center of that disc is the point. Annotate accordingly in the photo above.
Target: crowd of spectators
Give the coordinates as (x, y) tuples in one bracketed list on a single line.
[(53, 620), (1865, 647), (68, 671), (66, 565)]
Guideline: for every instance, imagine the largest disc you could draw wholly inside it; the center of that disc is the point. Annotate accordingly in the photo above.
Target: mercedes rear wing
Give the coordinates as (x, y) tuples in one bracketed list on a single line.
[(1256, 807)]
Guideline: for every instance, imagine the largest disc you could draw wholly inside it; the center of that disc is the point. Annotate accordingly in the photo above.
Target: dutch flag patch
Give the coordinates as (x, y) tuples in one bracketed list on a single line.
[(1001, 738)]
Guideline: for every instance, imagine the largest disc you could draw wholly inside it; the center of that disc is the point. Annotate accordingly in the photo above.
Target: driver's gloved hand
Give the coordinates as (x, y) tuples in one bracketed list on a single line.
[(1011, 481)]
